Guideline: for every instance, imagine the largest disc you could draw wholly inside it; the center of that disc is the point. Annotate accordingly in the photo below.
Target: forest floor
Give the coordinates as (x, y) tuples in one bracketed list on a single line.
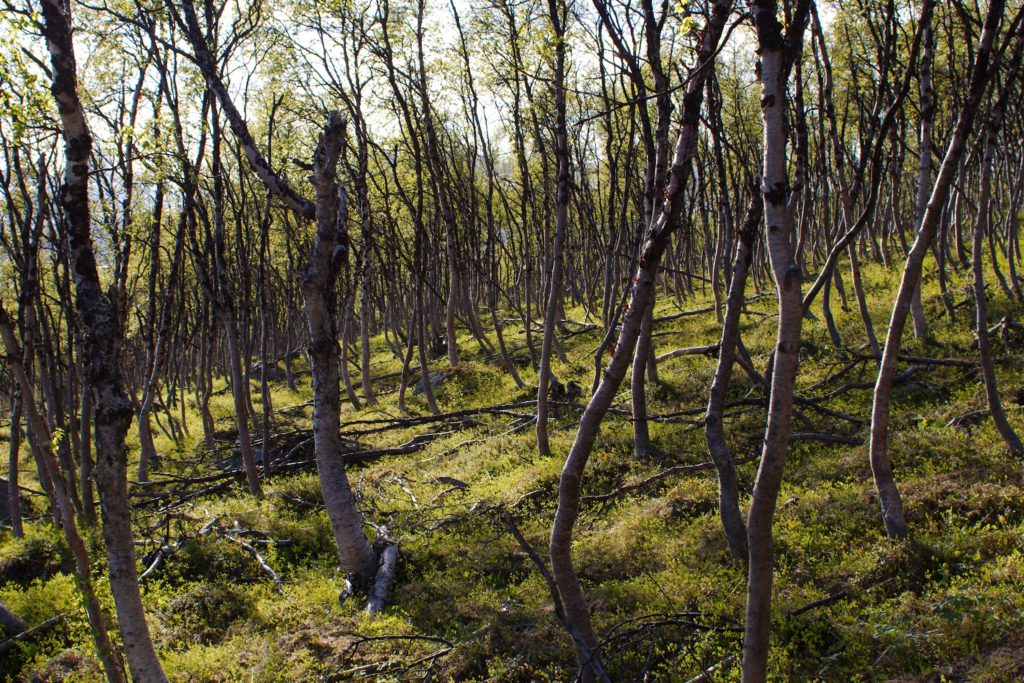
[(850, 605)]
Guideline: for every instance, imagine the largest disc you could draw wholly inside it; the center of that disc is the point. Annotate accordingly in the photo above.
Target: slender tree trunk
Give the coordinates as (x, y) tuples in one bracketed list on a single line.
[(714, 430), (346, 331), (266, 401), (410, 340), (13, 492), (204, 387), (41, 445), (881, 465), (556, 16), (147, 449), (657, 239), (641, 357), (224, 298), (436, 168), (364, 328), (988, 370), (85, 454), (318, 282), (240, 387), (777, 52), (924, 154), (421, 348), (101, 341)]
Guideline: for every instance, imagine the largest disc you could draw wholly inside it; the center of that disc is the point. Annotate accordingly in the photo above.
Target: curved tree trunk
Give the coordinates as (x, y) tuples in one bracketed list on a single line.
[(777, 52), (714, 431), (318, 282), (577, 612), (330, 245), (988, 370), (99, 350), (881, 465)]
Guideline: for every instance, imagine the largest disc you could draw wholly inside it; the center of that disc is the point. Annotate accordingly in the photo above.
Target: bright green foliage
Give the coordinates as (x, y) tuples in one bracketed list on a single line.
[(654, 563)]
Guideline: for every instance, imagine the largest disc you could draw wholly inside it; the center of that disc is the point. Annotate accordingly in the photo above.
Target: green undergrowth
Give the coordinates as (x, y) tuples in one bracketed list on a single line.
[(666, 598)]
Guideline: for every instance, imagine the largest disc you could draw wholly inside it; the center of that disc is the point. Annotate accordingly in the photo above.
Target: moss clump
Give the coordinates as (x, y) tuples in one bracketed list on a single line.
[(203, 614), (22, 562), (69, 665)]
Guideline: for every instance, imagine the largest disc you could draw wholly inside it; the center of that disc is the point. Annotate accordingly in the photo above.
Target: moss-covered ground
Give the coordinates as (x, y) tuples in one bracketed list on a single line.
[(850, 605)]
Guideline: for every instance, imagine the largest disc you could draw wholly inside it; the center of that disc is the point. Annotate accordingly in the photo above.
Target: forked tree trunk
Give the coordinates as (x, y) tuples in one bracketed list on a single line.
[(223, 295), (845, 198), (494, 285), (436, 167), (828, 269), (318, 285), (318, 282), (99, 350), (881, 465)]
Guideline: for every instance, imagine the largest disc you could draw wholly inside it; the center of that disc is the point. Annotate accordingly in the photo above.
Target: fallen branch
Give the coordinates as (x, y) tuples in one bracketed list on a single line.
[(384, 581), (847, 367), (158, 560), (705, 675), (968, 418), (826, 437), (388, 667), (414, 444), (823, 602), (870, 384), (676, 469), (947, 362), (523, 424), (591, 656), (264, 565), (683, 314), (814, 405), (395, 422), (710, 350), (28, 633)]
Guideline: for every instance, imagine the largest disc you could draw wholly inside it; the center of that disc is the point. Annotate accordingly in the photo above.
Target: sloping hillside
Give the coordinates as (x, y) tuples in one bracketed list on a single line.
[(239, 589)]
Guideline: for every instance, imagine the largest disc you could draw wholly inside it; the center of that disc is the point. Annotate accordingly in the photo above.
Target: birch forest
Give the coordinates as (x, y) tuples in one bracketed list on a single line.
[(511, 340)]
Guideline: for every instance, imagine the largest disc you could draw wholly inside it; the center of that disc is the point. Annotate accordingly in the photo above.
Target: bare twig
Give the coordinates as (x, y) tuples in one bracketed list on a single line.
[(592, 657), (28, 633)]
